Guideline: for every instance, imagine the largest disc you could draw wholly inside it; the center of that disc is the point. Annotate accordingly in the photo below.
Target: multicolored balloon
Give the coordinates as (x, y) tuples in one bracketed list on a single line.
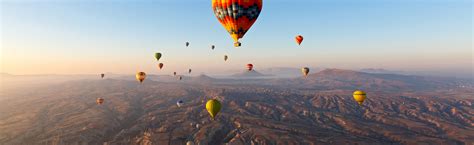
[(237, 16), (140, 76)]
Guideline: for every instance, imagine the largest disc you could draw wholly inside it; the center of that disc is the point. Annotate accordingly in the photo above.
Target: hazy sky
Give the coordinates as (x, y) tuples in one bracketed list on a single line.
[(120, 36)]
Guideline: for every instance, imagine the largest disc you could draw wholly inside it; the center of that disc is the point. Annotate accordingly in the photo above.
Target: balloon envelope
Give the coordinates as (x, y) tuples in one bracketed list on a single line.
[(249, 67), (305, 71), (140, 76), (160, 65), (359, 96), (99, 101), (213, 106), (157, 56), (180, 103), (299, 39), (237, 16)]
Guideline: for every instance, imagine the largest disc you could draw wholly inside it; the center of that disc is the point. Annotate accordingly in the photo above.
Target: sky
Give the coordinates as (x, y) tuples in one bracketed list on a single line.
[(121, 36)]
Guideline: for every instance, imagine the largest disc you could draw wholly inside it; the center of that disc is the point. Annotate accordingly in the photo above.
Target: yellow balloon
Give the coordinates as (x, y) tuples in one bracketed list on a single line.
[(140, 76), (359, 96), (213, 106)]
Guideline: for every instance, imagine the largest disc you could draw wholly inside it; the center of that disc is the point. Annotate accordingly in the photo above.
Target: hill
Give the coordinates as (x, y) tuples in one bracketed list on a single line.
[(248, 74), (347, 79)]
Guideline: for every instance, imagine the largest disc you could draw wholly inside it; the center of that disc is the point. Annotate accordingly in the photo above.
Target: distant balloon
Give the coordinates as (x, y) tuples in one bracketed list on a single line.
[(157, 56), (189, 71), (180, 78), (102, 75), (213, 106), (99, 101), (189, 143), (212, 47), (160, 65), (197, 125), (174, 73), (187, 44), (140, 76), (305, 71), (237, 16), (180, 103), (299, 39), (226, 57), (359, 96), (249, 67)]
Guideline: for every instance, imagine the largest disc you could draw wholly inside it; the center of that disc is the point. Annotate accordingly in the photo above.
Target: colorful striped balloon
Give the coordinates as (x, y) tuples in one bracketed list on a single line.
[(237, 16)]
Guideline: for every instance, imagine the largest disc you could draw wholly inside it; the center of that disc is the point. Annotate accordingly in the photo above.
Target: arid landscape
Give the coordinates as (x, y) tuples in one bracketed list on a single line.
[(317, 109)]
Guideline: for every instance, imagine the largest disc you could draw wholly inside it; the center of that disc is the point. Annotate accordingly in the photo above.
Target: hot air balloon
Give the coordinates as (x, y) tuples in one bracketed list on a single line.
[(226, 57), (160, 65), (212, 47), (180, 78), (359, 96), (305, 71), (174, 73), (102, 75), (213, 106), (187, 44), (157, 56), (99, 101), (197, 125), (180, 103), (189, 143), (299, 39), (237, 16), (189, 70), (140, 76), (249, 67)]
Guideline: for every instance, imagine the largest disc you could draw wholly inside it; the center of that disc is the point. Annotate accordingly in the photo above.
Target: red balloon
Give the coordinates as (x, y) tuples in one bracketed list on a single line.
[(299, 39), (160, 65), (249, 67)]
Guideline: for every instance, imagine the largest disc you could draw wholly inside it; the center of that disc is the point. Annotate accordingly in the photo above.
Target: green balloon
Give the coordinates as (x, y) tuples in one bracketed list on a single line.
[(157, 56)]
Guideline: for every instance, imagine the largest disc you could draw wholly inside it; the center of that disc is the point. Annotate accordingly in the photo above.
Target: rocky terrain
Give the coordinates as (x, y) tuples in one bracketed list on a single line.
[(317, 109)]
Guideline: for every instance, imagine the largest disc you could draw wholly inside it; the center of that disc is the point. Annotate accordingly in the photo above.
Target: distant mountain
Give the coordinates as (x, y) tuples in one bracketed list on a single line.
[(348, 79), (249, 74), (380, 71), (6, 75)]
